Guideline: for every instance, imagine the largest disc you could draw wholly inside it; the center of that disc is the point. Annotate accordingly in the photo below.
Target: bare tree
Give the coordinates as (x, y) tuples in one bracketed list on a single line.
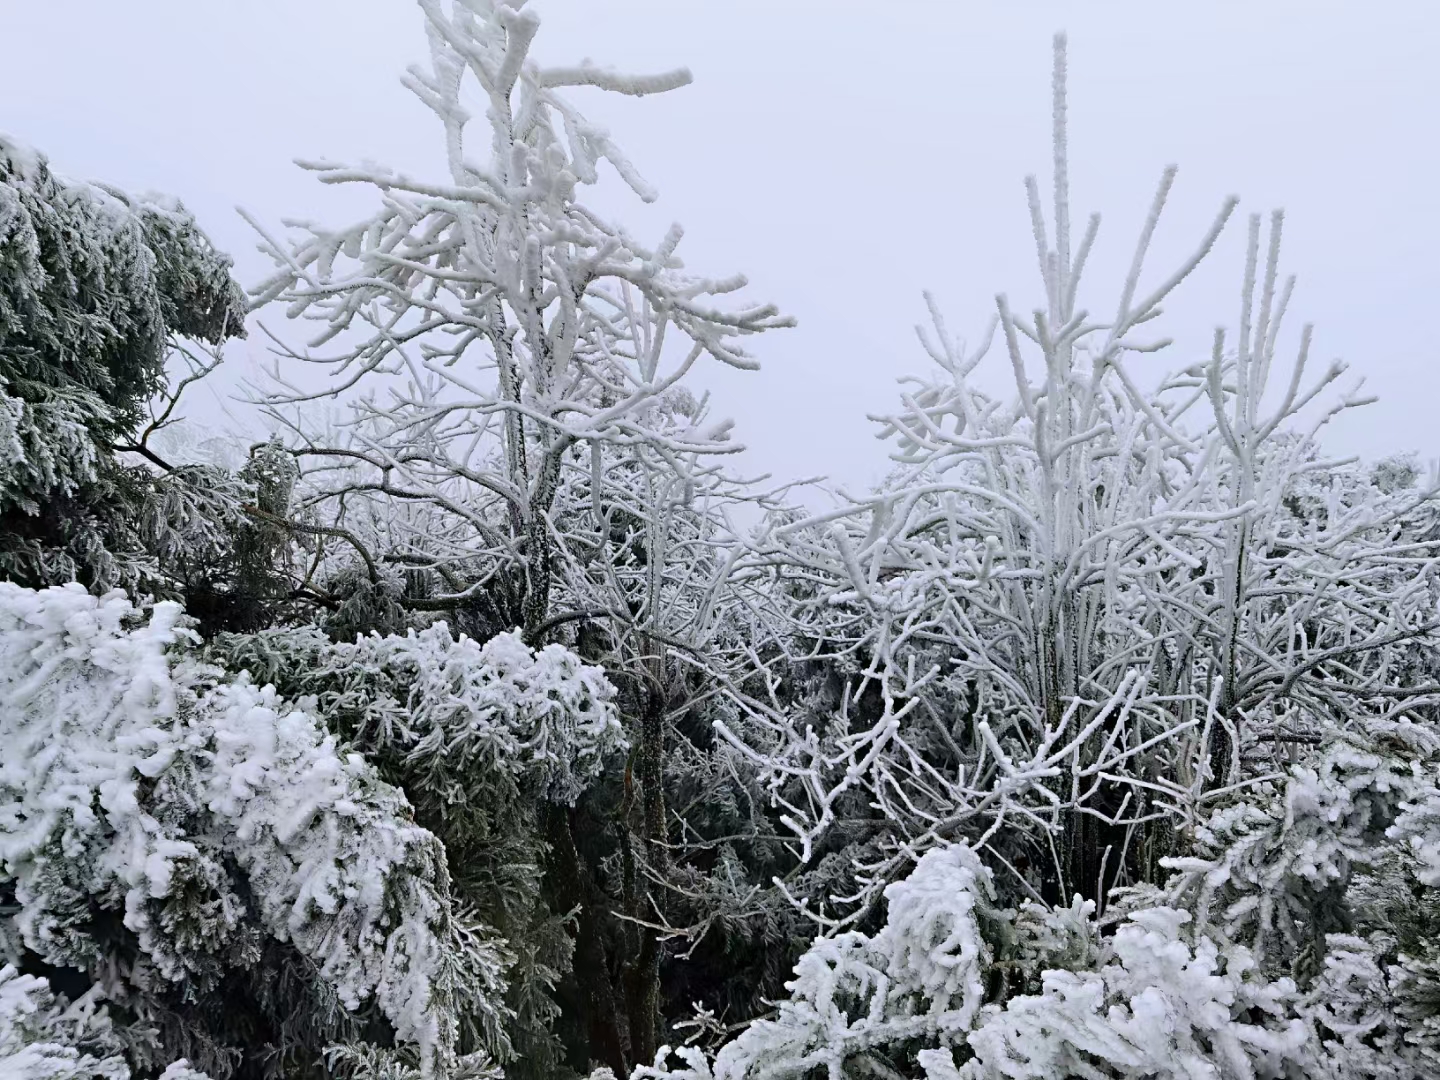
[(1070, 614), (491, 326), (519, 447)]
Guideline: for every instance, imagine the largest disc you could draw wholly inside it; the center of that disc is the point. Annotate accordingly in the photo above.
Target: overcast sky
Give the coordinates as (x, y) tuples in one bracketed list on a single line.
[(846, 156)]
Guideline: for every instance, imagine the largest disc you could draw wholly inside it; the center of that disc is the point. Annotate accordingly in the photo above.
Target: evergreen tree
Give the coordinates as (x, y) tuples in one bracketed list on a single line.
[(96, 289)]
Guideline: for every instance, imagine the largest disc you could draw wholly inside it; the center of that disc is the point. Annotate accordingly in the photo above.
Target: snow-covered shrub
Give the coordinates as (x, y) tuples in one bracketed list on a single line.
[(487, 741), (1354, 1009), (1400, 906), (1326, 877), (1274, 868), (1161, 1009), (923, 994), (456, 710), (542, 715), (158, 825), (921, 977), (360, 1062), (95, 289), (43, 1039)]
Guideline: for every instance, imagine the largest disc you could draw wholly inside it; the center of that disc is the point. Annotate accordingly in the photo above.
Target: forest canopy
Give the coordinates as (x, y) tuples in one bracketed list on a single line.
[(481, 719)]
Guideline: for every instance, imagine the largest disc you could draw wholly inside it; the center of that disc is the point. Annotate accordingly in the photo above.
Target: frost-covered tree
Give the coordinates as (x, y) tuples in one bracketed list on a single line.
[(503, 329), (207, 858), (1103, 635), (698, 850), (1072, 619), (97, 289), (521, 451)]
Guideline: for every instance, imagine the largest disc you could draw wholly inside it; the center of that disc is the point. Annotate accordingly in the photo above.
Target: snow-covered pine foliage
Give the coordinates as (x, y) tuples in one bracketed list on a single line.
[(93, 284), (456, 712), (488, 741), (1276, 868), (160, 825), (1159, 1008), (925, 994), (96, 287), (43, 1039)]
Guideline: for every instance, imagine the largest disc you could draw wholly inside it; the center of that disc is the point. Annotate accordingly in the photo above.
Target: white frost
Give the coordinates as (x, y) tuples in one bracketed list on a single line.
[(129, 775)]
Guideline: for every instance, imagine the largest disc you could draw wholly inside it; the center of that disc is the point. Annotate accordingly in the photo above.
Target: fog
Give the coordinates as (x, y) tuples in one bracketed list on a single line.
[(845, 156)]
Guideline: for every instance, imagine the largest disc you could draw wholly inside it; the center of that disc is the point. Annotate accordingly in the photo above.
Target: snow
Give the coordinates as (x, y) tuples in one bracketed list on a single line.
[(1145, 646), (451, 704), (541, 715), (131, 773), (42, 1038)]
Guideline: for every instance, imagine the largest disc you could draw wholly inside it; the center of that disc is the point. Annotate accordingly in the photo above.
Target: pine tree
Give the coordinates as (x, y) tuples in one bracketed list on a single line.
[(96, 290), (240, 889)]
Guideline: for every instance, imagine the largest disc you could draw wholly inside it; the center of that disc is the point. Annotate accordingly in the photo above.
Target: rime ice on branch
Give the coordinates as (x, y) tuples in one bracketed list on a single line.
[(501, 327), (1081, 615)]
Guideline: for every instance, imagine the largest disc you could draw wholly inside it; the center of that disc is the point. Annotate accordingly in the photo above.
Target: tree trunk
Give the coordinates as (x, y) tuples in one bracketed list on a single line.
[(645, 987), (608, 1042)]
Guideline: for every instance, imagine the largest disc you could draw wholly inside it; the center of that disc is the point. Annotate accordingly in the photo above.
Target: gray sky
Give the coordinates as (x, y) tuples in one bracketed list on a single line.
[(846, 156)]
